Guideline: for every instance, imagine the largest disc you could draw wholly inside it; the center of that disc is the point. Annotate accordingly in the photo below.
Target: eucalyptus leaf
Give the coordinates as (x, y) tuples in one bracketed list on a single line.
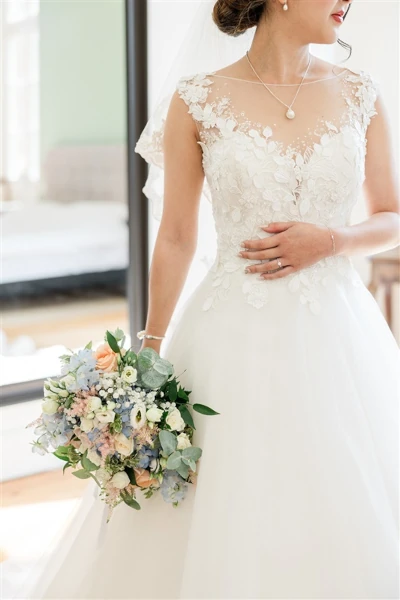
[(164, 367), (81, 474), (193, 453), (174, 460), (146, 358), (129, 500), (204, 410), (183, 470), (190, 463), (152, 379), (168, 441)]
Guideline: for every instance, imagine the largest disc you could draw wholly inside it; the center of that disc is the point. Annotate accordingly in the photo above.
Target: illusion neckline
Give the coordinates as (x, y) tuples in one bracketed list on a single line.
[(214, 74)]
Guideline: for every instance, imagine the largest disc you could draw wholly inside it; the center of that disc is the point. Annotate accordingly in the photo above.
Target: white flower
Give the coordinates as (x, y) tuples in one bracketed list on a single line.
[(50, 406), (94, 458), (183, 441), (50, 394), (154, 414), (129, 374), (120, 480), (110, 405), (86, 424), (94, 404), (105, 416), (175, 421), (102, 475), (123, 445), (138, 415), (68, 380)]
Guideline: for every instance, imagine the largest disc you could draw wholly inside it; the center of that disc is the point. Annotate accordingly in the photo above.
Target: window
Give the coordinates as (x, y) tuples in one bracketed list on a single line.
[(20, 142)]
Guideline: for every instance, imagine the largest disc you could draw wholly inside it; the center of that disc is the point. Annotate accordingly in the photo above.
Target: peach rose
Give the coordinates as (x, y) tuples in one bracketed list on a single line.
[(143, 477), (106, 358)]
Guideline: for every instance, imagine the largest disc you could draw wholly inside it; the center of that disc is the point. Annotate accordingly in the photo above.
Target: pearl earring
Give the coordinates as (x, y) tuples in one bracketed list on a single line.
[(285, 6)]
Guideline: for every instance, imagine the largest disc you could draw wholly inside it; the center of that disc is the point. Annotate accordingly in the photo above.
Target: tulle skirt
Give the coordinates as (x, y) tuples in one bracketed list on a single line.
[(297, 488)]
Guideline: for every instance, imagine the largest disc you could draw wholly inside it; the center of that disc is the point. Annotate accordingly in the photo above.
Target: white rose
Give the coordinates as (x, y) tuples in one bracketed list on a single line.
[(86, 424), (94, 404), (120, 480), (123, 445), (183, 441), (138, 415), (129, 374), (105, 416), (50, 406), (94, 458), (175, 421), (154, 414)]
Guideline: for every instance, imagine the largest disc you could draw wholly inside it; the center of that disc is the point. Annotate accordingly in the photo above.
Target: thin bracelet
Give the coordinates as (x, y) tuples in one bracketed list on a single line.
[(333, 240), (142, 334)]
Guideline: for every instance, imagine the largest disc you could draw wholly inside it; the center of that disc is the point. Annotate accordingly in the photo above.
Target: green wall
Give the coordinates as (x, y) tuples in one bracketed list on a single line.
[(82, 71)]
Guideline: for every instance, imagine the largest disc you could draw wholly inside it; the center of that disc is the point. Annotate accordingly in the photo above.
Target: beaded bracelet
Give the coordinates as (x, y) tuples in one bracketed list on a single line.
[(142, 334)]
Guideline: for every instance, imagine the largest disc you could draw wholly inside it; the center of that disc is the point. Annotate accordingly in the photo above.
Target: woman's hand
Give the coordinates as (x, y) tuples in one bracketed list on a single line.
[(296, 244)]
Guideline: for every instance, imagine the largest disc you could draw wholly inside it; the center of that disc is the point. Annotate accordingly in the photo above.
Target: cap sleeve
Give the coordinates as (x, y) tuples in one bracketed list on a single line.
[(150, 145)]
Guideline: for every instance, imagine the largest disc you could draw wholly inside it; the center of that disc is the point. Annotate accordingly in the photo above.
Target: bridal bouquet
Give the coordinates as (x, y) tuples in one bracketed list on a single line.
[(122, 419)]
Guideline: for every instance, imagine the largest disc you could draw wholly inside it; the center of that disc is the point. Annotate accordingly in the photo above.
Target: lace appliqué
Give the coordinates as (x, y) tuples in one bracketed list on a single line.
[(255, 180)]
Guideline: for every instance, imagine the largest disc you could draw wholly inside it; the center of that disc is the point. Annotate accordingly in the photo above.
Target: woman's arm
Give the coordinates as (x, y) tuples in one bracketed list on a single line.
[(177, 235), (381, 231)]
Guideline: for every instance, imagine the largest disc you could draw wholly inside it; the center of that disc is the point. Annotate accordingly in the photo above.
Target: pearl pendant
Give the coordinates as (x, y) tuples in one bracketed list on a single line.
[(290, 113)]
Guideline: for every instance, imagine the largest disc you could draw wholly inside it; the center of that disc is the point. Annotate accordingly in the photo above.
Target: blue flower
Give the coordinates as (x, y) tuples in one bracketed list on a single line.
[(173, 487), (146, 455)]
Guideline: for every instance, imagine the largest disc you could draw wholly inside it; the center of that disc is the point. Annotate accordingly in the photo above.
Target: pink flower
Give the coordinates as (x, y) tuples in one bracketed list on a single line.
[(106, 358)]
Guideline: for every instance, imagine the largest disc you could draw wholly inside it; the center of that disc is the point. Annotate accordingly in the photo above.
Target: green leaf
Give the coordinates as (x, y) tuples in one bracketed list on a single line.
[(146, 358), (89, 345), (190, 463), (87, 464), (131, 474), (186, 415), (174, 460), (112, 342), (172, 390), (193, 453), (182, 394), (168, 441), (183, 470), (62, 453), (66, 466), (81, 474), (129, 500), (204, 410)]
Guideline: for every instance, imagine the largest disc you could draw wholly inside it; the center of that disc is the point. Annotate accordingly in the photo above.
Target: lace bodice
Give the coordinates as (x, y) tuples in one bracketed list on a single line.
[(310, 169)]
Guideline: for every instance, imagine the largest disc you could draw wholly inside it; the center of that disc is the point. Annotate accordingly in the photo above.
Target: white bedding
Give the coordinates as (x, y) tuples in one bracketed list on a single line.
[(49, 239)]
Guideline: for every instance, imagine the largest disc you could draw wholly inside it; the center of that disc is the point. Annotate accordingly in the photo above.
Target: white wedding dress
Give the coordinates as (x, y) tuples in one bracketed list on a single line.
[(297, 488)]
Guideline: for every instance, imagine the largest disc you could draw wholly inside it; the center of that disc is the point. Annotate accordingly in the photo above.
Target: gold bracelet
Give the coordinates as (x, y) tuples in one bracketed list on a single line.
[(333, 240)]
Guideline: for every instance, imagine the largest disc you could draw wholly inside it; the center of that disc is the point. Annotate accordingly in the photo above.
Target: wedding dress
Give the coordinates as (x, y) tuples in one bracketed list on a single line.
[(297, 488)]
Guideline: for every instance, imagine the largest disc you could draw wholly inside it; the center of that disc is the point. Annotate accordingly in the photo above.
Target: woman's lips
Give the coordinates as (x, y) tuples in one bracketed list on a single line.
[(338, 18)]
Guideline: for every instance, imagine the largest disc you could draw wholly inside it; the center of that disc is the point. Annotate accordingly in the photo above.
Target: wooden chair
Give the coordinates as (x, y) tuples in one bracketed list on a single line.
[(385, 271)]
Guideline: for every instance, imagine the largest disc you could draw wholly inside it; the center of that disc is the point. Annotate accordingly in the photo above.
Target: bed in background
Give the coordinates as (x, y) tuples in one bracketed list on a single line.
[(76, 235)]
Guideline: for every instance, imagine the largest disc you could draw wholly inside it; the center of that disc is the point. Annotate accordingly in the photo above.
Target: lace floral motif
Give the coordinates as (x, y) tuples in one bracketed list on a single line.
[(255, 180)]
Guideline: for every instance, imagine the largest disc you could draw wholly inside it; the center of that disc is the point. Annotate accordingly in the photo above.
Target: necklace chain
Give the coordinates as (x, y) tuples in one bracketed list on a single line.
[(290, 112)]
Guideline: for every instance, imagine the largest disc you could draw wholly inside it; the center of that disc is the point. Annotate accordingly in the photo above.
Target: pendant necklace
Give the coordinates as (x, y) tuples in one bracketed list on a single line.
[(290, 112)]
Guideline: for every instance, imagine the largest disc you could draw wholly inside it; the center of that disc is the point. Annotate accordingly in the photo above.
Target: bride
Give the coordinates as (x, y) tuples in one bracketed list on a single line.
[(297, 488)]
